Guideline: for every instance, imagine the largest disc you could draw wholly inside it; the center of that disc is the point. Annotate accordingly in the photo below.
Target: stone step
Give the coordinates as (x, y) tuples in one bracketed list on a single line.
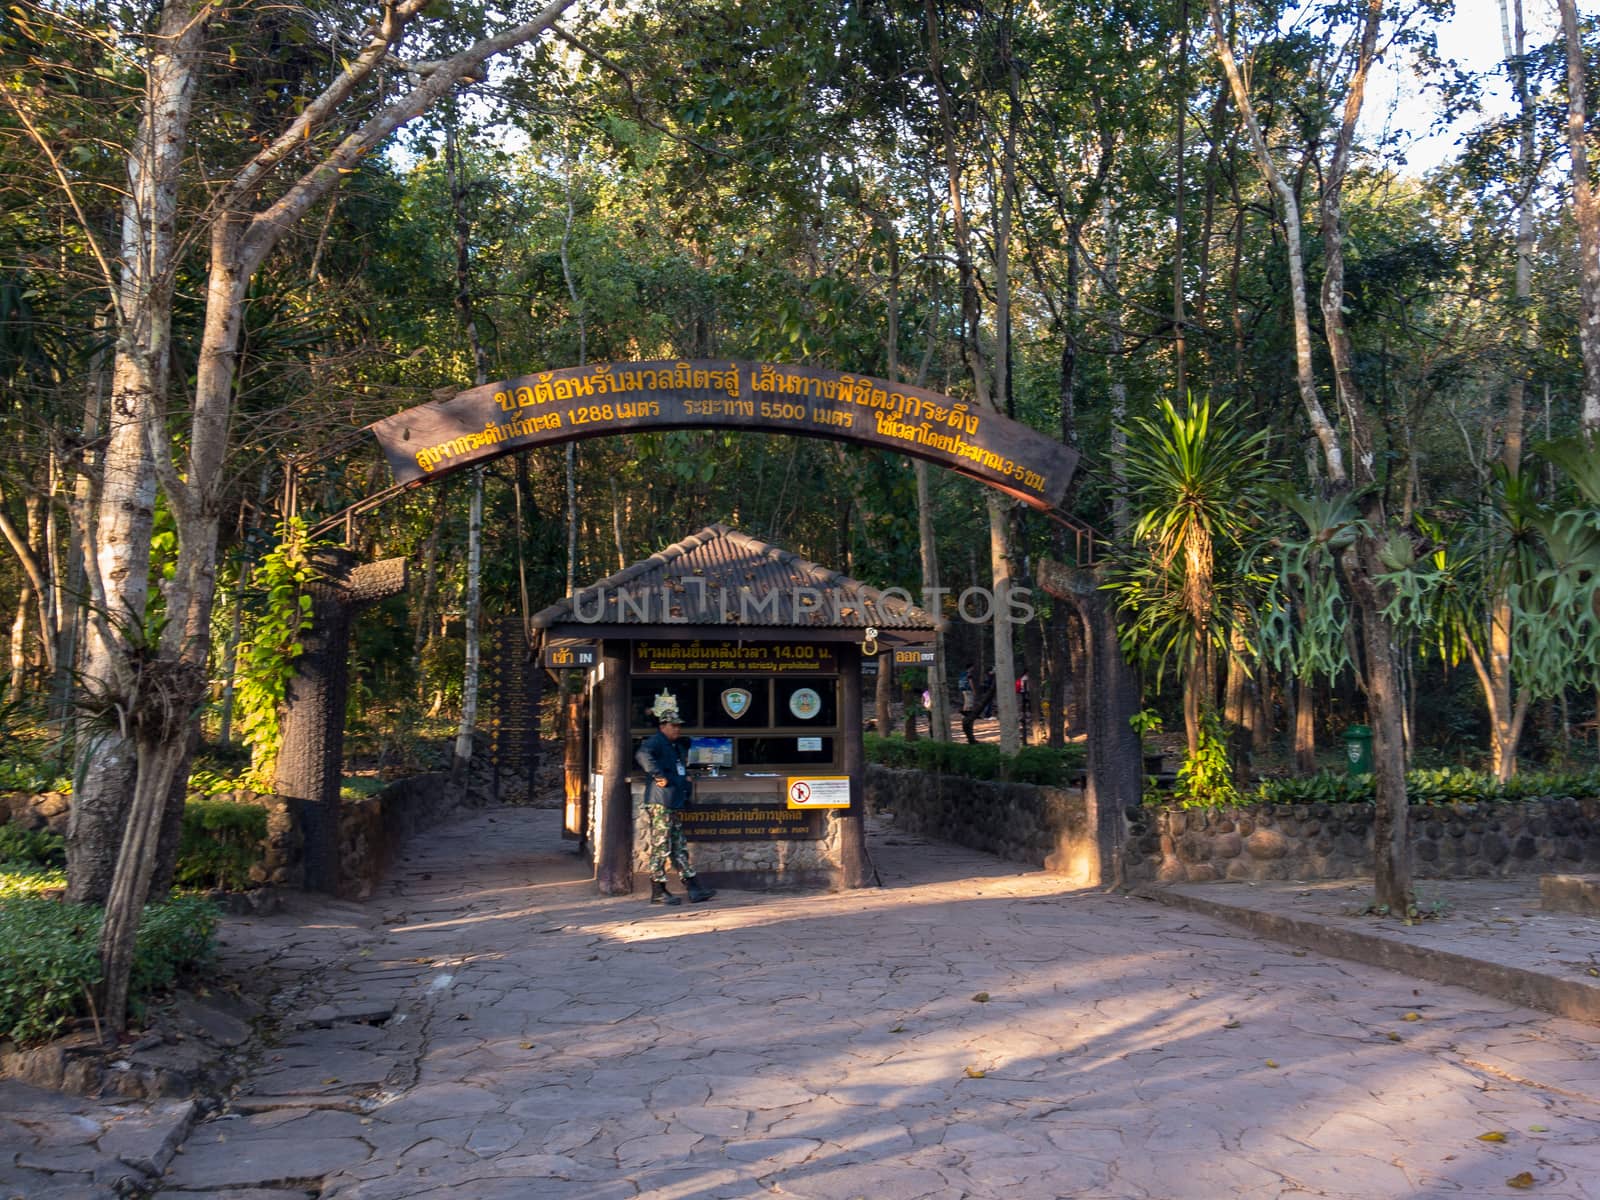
[(1570, 893)]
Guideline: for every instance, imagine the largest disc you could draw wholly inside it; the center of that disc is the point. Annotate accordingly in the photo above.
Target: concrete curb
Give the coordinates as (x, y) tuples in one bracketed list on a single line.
[(1563, 997)]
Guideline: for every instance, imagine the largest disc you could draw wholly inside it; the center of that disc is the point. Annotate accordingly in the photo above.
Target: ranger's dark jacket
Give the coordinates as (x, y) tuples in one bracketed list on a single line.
[(659, 757)]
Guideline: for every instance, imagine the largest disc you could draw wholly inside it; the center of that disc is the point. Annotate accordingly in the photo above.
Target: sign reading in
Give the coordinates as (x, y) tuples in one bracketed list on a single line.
[(820, 791), (732, 658), (573, 403), (569, 658), (754, 822)]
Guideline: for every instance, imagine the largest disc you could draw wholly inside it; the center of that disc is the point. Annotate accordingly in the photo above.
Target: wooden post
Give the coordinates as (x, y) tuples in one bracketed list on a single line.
[(613, 862), (854, 867), (575, 765)]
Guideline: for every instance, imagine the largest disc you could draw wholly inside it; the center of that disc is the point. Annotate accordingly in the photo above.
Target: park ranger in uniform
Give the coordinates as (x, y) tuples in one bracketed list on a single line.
[(666, 795)]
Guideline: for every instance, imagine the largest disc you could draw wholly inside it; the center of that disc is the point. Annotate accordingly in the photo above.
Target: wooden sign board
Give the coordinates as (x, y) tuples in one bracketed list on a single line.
[(753, 822), (575, 403)]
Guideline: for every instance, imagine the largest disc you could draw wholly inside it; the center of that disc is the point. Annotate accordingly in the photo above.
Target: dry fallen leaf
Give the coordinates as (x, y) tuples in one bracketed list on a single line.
[(975, 1073), (1272, 1063), (898, 1029), (1595, 971), (331, 1079), (1538, 1129), (1522, 1179), (1494, 1135), (1413, 1016), (525, 1045), (1230, 1024), (982, 997), (1392, 1036)]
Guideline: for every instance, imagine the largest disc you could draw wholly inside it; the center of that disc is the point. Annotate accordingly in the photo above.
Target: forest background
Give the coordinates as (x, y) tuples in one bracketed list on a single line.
[(1332, 407)]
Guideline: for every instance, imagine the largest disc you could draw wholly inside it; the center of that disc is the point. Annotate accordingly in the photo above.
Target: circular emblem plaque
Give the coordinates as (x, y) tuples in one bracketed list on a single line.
[(805, 703)]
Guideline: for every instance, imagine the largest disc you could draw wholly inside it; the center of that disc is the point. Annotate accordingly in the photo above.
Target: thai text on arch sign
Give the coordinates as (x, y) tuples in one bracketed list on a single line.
[(573, 403), (819, 791)]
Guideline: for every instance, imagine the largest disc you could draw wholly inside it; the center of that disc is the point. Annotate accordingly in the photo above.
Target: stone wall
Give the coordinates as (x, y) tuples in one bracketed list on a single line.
[(1334, 841), (47, 810), (372, 828), (1049, 827), (1044, 826)]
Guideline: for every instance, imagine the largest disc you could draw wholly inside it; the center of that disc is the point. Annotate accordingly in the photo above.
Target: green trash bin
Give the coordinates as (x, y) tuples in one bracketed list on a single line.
[(1358, 750)]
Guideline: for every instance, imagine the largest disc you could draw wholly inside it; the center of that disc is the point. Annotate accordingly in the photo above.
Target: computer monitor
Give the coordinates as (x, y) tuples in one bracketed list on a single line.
[(711, 752)]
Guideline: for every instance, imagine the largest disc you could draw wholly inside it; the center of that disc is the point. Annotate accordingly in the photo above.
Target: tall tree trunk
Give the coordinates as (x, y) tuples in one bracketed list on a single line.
[(1327, 436), (1586, 211), (1305, 726), (124, 517), (19, 645), (987, 396), (467, 311), (430, 573), (469, 681), (80, 506), (583, 357), (1180, 366), (1121, 514), (1363, 562), (1526, 333), (1391, 839)]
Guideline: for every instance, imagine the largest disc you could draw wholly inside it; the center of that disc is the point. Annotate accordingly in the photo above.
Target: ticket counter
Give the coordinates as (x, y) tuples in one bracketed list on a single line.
[(772, 707)]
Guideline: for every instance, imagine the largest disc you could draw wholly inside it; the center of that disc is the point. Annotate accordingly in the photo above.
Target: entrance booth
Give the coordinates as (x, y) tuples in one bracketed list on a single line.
[(761, 651)]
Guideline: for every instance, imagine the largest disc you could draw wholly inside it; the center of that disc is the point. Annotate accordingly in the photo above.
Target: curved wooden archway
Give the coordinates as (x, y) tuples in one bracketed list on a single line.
[(439, 438)]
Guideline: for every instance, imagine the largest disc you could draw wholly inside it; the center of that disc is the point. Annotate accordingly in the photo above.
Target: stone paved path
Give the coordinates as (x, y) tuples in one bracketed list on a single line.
[(971, 1030)]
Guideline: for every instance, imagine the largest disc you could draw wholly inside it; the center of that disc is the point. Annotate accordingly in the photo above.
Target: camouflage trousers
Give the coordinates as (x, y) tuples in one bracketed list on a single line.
[(664, 831)]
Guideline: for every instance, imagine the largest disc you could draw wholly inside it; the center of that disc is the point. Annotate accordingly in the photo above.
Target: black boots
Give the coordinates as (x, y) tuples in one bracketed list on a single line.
[(660, 895), (697, 893)]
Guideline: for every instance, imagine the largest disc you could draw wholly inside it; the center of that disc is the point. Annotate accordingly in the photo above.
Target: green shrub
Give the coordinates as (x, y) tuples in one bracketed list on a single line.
[(49, 960), (1444, 786), (1328, 787), (1205, 780), (38, 847), (1033, 764), (220, 842)]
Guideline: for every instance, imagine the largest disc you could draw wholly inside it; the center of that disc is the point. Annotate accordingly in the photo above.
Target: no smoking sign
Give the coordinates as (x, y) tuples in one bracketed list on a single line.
[(825, 791)]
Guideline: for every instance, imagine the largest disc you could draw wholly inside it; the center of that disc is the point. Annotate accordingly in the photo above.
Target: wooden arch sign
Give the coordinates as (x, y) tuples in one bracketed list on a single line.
[(574, 403)]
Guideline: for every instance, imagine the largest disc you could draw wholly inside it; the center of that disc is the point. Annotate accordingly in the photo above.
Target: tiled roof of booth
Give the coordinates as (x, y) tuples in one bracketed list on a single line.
[(722, 577)]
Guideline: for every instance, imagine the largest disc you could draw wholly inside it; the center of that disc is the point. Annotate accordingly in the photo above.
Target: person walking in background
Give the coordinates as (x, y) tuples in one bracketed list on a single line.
[(1022, 706), (988, 694), (969, 703), (666, 795)]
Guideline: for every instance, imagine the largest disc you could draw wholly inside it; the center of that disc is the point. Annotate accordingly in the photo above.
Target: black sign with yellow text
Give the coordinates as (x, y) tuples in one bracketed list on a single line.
[(753, 822), (574, 403), (731, 658)]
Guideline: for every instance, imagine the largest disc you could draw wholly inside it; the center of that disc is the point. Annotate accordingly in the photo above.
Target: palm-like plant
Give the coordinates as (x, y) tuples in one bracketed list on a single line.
[(1195, 482)]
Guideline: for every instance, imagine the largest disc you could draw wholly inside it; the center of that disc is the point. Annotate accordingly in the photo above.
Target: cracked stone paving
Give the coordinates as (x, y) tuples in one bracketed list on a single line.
[(487, 1028)]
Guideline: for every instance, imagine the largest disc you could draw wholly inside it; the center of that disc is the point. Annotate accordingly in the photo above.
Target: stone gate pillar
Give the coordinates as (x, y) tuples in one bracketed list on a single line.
[(1116, 763), (311, 753)]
